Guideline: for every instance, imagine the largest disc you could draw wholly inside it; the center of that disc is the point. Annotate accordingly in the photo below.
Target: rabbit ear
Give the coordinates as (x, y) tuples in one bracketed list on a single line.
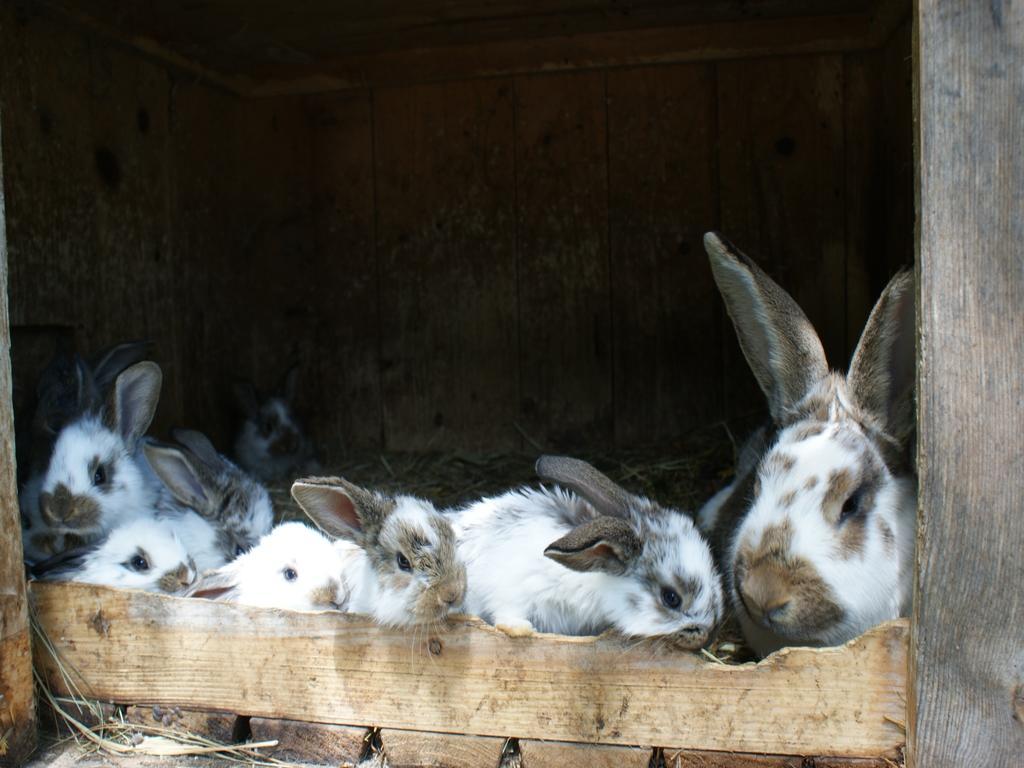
[(66, 389), (881, 377), (606, 544), (134, 399), (290, 384), (341, 508), (777, 339), (107, 364), (248, 398), (221, 584), (200, 445), (63, 563), (178, 473), (579, 476)]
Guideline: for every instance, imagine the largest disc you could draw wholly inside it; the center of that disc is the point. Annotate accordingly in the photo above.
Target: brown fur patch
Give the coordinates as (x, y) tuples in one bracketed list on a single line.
[(809, 430), (176, 580), (841, 483), (65, 510), (853, 536), (778, 463), (325, 596), (786, 500), (769, 577), (810, 482)]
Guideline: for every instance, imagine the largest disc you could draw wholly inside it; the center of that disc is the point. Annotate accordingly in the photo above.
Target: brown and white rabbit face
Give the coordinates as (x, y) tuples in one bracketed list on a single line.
[(415, 558), (820, 556)]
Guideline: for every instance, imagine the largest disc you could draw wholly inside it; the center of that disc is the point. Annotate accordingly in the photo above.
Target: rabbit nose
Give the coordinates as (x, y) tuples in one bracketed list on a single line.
[(185, 576), (765, 595)]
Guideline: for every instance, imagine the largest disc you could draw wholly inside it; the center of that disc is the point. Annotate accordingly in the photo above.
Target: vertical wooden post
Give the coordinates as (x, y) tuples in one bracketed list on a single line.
[(966, 703), (17, 702)]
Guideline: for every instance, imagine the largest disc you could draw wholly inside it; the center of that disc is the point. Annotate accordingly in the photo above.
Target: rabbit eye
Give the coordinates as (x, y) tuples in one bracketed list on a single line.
[(403, 562), (99, 476), (139, 564), (670, 598), (290, 574), (851, 506)]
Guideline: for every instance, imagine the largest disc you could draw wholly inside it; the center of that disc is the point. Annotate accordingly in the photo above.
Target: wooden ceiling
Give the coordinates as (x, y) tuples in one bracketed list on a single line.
[(263, 46)]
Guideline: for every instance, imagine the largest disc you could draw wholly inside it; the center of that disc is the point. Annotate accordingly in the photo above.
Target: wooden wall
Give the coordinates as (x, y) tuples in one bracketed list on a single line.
[(479, 264)]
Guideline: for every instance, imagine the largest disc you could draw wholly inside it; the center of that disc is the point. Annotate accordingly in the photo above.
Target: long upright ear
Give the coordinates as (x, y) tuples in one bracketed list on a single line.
[(341, 508), (579, 476), (606, 544), (178, 473), (775, 335), (108, 363), (882, 372), (66, 388), (200, 445), (290, 384), (248, 398), (134, 399)]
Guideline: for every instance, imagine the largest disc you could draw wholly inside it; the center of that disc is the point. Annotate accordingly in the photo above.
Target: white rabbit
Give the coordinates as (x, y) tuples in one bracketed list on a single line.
[(272, 444), (553, 561), (142, 554), (816, 536), (93, 481), (294, 567), (198, 478), (399, 556)]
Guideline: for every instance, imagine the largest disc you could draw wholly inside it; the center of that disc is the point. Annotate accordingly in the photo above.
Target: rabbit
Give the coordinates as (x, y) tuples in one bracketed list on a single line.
[(93, 481), (271, 444), (816, 537), (398, 553), (198, 478), (585, 558), (293, 567), (141, 554)]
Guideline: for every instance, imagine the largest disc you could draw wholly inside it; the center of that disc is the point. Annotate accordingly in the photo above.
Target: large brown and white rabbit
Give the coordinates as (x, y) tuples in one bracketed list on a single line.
[(816, 536), (200, 479), (399, 558), (93, 481), (585, 558), (272, 444)]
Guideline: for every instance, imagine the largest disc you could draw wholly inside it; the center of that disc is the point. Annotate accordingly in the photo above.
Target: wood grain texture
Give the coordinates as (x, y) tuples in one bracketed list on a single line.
[(333, 668), (560, 754), (562, 236), (417, 749), (342, 307), (781, 168), (666, 340), (967, 681), (310, 742), (674, 758), (17, 689), (446, 245)]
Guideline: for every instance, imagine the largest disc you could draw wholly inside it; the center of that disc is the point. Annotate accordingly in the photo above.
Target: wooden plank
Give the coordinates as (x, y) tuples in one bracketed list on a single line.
[(782, 192), (256, 49), (310, 742), (446, 245), (967, 681), (418, 749), (560, 754), (220, 727), (675, 758), (340, 669), (344, 292), (17, 690), (562, 236), (666, 334)]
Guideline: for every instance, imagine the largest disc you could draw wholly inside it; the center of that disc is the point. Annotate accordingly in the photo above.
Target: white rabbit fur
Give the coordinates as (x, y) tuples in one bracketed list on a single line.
[(816, 536), (398, 553), (293, 567), (526, 573), (142, 554)]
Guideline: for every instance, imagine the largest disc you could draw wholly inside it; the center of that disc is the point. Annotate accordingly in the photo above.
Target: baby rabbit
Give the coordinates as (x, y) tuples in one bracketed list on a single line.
[(142, 554), (200, 479), (271, 444), (587, 559), (816, 537), (93, 481), (294, 567), (398, 553)]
